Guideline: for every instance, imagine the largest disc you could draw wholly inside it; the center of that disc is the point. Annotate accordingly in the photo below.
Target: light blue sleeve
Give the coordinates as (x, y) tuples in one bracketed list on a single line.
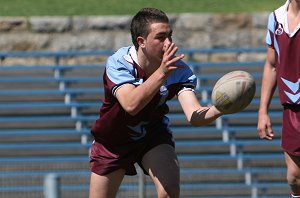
[(271, 28), (183, 76), (120, 72)]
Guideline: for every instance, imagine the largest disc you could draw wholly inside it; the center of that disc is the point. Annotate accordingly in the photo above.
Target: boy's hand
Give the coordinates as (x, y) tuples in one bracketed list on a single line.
[(169, 60)]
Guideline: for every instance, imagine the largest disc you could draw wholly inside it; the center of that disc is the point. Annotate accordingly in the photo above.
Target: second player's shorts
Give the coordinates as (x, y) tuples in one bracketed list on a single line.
[(291, 129)]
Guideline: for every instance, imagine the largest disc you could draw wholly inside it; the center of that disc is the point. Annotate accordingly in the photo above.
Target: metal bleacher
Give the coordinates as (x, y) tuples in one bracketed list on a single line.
[(49, 100)]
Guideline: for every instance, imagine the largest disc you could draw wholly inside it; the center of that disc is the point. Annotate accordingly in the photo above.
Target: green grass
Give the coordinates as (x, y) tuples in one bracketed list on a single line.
[(129, 7)]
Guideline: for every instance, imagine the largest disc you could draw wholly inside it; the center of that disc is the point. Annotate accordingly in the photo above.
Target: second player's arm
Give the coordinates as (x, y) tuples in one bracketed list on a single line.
[(268, 81), (268, 87)]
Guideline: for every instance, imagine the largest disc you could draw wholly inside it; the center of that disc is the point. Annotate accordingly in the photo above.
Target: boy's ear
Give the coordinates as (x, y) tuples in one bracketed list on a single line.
[(141, 41)]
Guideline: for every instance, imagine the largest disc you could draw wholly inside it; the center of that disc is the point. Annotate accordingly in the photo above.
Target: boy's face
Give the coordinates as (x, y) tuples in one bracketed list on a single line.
[(159, 36)]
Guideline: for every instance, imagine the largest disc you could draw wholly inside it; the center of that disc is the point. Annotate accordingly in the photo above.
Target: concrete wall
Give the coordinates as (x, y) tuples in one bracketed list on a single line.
[(111, 32)]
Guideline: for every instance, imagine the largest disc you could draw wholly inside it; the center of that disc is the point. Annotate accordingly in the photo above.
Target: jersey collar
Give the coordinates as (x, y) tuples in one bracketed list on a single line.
[(133, 54), (281, 15)]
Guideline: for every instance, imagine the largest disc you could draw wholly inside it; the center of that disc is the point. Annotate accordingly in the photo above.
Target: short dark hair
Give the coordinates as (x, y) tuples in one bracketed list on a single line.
[(142, 20)]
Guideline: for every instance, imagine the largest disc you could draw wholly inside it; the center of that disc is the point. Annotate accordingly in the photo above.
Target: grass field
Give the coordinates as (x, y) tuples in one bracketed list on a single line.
[(122, 7)]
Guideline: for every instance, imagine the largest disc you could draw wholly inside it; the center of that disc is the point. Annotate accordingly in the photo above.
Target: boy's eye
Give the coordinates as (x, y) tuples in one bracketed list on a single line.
[(164, 37), (161, 37)]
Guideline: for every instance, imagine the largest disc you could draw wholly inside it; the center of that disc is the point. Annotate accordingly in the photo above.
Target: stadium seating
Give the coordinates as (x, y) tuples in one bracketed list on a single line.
[(49, 100)]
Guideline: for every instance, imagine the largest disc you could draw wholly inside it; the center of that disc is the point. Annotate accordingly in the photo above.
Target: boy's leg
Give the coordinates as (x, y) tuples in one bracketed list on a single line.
[(162, 165), (293, 173), (105, 186)]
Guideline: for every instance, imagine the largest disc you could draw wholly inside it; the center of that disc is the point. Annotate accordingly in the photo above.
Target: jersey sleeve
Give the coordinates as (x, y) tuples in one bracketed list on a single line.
[(184, 78), (271, 30), (120, 72)]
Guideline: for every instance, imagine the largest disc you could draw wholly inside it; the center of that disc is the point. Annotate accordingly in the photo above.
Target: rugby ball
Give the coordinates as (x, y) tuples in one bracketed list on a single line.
[(233, 92)]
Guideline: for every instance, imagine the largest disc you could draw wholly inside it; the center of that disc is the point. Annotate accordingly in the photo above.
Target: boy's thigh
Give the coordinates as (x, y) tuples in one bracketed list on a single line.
[(161, 163), (105, 185)]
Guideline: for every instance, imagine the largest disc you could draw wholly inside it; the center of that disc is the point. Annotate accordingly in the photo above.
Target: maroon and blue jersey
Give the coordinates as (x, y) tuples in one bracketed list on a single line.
[(287, 47), (287, 53), (115, 125)]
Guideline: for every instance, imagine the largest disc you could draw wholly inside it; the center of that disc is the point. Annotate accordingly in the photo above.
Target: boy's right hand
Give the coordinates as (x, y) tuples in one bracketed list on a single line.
[(169, 60)]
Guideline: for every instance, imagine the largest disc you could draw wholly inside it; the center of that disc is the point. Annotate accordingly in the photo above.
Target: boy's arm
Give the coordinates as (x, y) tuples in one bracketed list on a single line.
[(134, 98), (196, 114)]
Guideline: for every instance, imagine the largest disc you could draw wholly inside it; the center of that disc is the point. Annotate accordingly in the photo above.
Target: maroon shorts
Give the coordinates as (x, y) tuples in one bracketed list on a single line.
[(291, 130), (105, 159)]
